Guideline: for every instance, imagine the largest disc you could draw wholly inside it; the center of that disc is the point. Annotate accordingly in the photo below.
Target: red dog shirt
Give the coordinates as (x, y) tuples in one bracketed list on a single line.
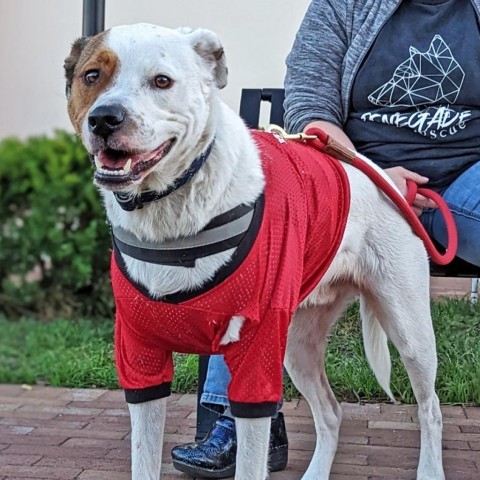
[(300, 227)]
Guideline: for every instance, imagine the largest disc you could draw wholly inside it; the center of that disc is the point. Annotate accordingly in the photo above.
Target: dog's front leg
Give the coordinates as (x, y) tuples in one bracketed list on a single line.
[(148, 424), (253, 435)]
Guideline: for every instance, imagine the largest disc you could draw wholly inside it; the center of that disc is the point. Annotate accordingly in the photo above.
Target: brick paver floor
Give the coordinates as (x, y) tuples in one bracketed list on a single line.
[(83, 434), (65, 434)]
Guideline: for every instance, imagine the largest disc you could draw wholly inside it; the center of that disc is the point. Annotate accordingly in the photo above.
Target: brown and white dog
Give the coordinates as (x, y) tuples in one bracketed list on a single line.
[(144, 100)]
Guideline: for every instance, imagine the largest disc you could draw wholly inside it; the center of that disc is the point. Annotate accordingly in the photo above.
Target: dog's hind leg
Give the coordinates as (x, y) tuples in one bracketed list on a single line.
[(148, 424), (305, 363), (252, 448), (399, 300)]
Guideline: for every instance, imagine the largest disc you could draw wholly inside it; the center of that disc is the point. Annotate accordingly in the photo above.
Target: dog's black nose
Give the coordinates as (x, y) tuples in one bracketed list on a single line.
[(104, 120)]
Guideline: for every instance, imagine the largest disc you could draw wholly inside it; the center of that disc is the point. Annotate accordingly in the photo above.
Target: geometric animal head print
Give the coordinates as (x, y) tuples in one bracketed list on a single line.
[(425, 78)]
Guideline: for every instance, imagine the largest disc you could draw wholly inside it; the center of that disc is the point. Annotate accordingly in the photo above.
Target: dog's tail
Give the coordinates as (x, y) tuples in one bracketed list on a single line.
[(376, 347)]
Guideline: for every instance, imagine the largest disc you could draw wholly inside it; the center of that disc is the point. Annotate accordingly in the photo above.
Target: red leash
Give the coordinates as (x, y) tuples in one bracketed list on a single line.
[(321, 141)]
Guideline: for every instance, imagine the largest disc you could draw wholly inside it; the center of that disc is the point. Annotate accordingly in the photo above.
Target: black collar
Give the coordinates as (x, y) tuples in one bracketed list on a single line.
[(130, 203)]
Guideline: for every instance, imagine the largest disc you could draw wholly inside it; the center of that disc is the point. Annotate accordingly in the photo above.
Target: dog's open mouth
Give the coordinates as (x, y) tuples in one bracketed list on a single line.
[(117, 168)]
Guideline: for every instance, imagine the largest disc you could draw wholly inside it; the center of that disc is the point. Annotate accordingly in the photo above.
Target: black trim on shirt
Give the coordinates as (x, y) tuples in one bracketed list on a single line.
[(253, 410), (141, 395)]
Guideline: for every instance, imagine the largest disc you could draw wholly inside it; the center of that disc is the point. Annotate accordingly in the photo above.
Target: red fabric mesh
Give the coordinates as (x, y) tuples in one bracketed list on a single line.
[(306, 206)]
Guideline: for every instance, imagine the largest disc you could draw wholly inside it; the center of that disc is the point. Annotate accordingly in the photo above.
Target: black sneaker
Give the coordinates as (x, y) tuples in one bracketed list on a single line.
[(214, 456)]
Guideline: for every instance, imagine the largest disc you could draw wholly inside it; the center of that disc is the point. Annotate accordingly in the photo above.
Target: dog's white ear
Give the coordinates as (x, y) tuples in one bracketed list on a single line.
[(207, 44)]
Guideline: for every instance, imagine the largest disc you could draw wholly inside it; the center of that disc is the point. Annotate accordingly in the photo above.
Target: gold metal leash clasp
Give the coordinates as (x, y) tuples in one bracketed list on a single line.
[(299, 137)]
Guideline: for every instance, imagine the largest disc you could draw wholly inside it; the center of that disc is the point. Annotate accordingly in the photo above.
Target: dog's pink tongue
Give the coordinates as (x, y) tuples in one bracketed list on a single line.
[(115, 160)]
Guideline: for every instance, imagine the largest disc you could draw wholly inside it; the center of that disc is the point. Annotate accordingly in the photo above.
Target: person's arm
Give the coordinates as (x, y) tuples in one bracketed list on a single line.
[(314, 66), (313, 83)]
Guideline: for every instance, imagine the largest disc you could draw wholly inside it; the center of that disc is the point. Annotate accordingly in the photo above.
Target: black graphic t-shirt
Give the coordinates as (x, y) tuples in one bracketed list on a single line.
[(416, 97)]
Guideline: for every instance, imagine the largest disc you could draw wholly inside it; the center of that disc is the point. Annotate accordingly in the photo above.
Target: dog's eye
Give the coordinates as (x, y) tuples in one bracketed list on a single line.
[(162, 81), (91, 77)]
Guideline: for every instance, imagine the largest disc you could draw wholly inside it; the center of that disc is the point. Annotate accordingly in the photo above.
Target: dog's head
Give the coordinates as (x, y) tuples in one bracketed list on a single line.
[(136, 93)]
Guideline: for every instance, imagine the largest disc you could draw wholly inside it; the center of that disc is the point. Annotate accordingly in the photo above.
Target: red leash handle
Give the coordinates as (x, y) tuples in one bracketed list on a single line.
[(326, 144)]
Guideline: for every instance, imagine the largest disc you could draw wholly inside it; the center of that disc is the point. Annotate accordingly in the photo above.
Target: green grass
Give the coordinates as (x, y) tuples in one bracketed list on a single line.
[(67, 353), (80, 354), (60, 353), (457, 329)]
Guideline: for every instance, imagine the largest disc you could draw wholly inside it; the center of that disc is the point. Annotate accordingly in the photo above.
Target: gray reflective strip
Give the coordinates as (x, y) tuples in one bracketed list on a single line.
[(207, 237)]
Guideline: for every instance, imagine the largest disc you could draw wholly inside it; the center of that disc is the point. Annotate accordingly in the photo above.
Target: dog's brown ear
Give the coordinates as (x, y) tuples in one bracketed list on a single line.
[(207, 44), (71, 61)]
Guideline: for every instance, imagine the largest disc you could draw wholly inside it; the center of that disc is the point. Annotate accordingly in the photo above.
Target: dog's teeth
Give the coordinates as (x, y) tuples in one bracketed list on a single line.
[(106, 171), (98, 164), (128, 166)]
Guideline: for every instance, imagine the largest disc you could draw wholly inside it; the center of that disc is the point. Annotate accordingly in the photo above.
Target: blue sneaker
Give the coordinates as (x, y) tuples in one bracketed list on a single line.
[(214, 456)]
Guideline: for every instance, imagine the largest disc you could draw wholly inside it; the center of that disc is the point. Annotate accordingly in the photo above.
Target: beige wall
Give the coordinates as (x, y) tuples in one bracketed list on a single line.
[(35, 36)]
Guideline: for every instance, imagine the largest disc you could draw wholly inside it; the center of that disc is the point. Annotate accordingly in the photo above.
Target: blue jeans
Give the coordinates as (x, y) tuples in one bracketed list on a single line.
[(463, 199), (214, 396)]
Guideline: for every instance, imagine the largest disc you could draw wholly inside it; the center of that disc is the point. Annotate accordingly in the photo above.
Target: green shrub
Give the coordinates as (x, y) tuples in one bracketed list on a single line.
[(54, 242)]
